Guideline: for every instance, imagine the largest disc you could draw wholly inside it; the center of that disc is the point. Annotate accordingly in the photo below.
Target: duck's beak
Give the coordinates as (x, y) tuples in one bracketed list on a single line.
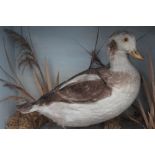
[(135, 54)]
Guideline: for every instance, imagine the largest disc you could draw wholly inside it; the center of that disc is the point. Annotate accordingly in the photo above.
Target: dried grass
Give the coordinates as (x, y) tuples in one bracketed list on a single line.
[(94, 54), (149, 89), (47, 76), (113, 124), (37, 83), (43, 82)]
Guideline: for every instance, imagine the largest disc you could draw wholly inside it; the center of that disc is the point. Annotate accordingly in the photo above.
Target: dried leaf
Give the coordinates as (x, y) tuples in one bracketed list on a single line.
[(12, 69), (15, 98), (47, 76), (18, 39), (8, 58), (143, 114), (28, 57), (38, 83), (134, 120), (97, 38), (151, 122), (20, 89), (151, 105), (151, 76), (27, 62), (58, 79), (7, 74), (150, 68)]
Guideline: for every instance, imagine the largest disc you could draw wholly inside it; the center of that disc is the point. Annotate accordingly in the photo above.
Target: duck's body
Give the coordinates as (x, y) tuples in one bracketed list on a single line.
[(93, 96), (125, 88)]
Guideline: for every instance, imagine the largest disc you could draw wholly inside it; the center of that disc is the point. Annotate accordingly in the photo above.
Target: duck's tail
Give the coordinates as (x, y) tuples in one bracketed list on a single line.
[(27, 107), (34, 106)]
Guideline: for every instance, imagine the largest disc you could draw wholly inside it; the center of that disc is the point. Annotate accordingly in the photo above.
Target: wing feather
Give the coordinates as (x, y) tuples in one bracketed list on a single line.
[(81, 88)]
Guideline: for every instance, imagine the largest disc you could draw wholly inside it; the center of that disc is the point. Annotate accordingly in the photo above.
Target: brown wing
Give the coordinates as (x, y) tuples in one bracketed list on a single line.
[(87, 91), (80, 92)]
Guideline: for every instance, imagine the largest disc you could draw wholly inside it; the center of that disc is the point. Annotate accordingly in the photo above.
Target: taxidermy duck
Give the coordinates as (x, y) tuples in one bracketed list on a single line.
[(95, 95)]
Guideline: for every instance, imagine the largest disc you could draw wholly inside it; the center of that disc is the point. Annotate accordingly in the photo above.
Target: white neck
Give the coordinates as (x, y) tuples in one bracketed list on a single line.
[(120, 62)]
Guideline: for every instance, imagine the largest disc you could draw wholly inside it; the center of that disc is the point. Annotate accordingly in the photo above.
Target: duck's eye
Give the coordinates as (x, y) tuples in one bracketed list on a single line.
[(125, 39)]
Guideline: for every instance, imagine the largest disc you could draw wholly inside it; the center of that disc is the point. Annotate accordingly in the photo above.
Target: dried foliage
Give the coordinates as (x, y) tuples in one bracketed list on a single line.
[(14, 83), (113, 124), (94, 54), (27, 121), (26, 58), (149, 89), (47, 76)]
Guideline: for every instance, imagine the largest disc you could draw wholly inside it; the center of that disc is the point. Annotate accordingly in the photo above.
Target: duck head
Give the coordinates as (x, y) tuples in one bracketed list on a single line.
[(121, 43)]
